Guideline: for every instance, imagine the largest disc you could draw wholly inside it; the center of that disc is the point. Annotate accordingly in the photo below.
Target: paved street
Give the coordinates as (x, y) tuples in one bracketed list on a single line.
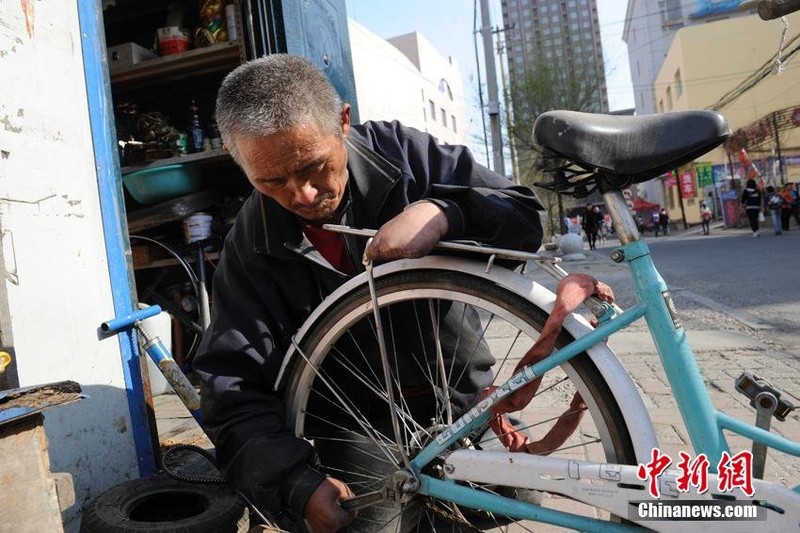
[(741, 314)]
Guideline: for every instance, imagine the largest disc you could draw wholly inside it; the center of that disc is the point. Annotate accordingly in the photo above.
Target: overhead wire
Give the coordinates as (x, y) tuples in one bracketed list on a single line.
[(756, 77)]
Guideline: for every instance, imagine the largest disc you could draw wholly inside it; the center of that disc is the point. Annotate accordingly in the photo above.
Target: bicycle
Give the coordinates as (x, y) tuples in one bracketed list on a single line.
[(442, 461)]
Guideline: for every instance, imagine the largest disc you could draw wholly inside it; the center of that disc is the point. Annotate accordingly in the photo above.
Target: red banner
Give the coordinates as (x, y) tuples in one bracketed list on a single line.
[(688, 189)]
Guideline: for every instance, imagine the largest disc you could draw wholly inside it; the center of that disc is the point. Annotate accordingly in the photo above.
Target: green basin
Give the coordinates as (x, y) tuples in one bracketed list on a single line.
[(157, 184)]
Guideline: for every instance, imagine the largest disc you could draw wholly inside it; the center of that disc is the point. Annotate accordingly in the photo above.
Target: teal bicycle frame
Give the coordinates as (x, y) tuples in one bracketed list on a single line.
[(703, 422)]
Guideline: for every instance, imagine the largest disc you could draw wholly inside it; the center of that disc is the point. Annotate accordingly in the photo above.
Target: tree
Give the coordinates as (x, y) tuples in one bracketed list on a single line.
[(545, 85)]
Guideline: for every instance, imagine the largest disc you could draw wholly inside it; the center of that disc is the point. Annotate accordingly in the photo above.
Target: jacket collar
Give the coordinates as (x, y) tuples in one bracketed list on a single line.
[(370, 179)]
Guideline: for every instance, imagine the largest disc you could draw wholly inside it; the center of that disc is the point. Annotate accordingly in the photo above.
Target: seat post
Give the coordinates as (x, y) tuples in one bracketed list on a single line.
[(624, 224)]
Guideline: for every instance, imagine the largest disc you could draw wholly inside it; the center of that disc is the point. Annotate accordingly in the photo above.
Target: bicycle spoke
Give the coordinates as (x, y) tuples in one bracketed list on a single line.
[(442, 348), (440, 364)]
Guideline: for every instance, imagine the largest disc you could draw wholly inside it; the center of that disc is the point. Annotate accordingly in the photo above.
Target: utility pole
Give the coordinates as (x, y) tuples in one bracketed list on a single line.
[(491, 87), (512, 142)]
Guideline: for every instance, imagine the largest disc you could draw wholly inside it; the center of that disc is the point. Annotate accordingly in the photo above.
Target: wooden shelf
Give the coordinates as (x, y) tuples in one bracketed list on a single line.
[(170, 262), (215, 58), (171, 210), (209, 156)]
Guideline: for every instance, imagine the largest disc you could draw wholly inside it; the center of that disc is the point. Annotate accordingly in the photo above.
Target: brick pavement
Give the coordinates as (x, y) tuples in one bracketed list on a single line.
[(725, 345)]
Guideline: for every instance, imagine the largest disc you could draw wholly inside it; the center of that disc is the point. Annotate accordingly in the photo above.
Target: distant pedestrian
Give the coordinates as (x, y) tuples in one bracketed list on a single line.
[(751, 200), (796, 200), (775, 203), (789, 198), (663, 221), (705, 218), (592, 218), (656, 222)]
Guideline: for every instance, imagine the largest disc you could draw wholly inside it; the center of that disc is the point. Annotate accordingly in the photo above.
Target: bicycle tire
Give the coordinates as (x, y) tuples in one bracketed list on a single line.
[(313, 373)]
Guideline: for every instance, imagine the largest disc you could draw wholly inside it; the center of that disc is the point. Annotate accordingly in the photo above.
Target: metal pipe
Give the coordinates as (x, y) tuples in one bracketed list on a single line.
[(117, 324), (624, 224)]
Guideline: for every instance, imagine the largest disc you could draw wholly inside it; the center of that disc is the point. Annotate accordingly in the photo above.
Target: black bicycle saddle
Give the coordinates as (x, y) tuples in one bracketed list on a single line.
[(635, 147)]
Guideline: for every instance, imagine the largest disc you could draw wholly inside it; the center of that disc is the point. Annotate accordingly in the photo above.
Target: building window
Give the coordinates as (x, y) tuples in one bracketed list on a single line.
[(453, 123), (669, 98), (670, 11), (433, 109), (444, 88), (444, 117), (678, 84), (661, 106)]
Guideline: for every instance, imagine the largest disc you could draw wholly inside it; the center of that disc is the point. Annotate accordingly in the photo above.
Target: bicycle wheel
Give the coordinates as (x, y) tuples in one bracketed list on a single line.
[(439, 327)]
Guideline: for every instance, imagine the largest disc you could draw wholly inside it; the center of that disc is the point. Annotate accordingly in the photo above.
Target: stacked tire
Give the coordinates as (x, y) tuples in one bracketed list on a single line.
[(163, 505)]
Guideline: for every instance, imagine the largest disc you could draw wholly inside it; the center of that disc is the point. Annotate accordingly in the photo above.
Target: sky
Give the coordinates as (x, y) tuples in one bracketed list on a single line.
[(448, 26)]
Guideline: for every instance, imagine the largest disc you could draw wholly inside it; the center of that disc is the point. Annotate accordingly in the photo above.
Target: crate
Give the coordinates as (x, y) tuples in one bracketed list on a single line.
[(126, 55)]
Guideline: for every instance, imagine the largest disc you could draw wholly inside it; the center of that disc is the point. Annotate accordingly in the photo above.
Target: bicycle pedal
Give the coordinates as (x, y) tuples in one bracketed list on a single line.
[(751, 386)]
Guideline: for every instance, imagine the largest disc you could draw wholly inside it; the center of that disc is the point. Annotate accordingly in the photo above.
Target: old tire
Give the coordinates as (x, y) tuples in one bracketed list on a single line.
[(163, 505)]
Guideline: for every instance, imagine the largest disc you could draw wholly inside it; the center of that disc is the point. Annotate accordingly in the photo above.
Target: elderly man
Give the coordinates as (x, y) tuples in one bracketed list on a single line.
[(285, 126)]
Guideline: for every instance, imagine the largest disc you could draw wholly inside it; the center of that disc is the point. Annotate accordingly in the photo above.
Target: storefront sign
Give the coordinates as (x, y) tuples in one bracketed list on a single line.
[(688, 189), (705, 175), (720, 173)]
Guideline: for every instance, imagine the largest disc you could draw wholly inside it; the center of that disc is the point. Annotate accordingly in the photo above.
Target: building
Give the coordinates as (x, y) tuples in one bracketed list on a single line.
[(650, 26), (688, 80), (565, 32), (406, 79)]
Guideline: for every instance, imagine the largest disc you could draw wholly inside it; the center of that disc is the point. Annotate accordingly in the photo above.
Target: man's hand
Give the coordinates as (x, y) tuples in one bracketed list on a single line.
[(323, 513), (412, 233)]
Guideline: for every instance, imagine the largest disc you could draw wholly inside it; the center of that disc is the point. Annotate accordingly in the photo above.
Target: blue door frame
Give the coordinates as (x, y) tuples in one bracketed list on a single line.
[(115, 230)]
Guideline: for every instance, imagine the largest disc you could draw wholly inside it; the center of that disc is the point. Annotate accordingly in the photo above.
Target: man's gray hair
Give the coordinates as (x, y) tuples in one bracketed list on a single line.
[(272, 94)]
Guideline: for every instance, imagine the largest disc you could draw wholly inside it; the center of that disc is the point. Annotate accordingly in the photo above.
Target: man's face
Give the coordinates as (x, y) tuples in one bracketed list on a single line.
[(302, 168)]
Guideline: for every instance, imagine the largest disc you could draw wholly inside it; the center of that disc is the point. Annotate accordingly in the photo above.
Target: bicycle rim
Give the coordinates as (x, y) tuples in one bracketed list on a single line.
[(439, 327)]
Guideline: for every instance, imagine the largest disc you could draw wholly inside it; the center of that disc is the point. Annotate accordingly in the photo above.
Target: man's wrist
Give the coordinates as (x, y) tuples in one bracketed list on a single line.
[(453, 215), (298, 487)]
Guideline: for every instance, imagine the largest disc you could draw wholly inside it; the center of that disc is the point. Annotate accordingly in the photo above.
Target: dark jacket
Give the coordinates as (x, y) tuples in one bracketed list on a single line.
[(270, 279), (592, 221), (751, 197)]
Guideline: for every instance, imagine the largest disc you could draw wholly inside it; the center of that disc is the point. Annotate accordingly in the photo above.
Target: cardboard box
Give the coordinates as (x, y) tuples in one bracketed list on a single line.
[(126, 55)]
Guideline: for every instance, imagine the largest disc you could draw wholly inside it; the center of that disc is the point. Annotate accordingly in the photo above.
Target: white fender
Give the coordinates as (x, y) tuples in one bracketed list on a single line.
[(619, 381)]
